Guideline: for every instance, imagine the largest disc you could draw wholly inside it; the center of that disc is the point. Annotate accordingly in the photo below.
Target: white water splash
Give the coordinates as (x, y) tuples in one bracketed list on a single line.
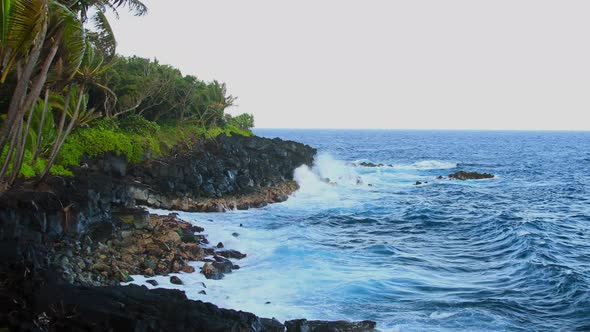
[(326, 171)]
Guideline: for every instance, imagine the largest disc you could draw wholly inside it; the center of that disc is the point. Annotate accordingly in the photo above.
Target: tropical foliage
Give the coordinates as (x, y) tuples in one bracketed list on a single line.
[(65, 94)]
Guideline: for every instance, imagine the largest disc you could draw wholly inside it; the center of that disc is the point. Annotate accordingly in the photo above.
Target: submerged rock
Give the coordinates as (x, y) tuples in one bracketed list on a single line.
[(463, 175), (370, 164)]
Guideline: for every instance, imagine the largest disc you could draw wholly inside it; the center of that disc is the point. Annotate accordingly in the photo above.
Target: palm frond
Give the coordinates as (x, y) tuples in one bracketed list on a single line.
[(136, 7), (105, 37), (22, 25), (67, 30)]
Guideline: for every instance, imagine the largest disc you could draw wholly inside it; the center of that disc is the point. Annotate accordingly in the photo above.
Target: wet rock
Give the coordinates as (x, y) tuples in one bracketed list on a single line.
[(175, 280), (272, 325), (370, 164), (210, 272), (194, 251), (152, 282), (202, 239), (231, 254), (417, 183), (219, 245), (222, 265), (203, 292), (187, 269), (297, 325), (234, 234), (463, 175)]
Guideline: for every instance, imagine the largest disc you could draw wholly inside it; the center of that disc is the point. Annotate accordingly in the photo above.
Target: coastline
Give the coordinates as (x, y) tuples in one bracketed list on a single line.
[(69, 253)]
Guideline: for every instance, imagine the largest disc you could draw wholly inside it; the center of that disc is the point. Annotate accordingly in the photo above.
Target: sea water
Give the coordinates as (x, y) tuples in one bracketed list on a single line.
[(510, 253)]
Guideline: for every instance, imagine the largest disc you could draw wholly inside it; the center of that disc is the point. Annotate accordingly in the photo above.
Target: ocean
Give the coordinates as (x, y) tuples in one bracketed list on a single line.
[(510, 253)]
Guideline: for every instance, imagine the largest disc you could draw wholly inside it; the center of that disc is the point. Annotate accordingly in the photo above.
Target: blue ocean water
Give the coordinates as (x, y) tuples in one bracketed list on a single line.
[(505, 254)]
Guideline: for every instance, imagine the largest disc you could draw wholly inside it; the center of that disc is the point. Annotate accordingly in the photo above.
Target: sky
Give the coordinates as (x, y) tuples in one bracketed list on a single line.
[(383, 64)]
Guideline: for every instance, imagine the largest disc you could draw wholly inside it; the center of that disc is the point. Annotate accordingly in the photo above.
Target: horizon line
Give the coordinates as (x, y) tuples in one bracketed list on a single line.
[(424, 129)]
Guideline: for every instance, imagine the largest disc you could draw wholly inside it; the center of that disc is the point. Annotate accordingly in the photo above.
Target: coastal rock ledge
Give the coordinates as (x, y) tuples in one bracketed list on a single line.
[(229, 172), (225, 173)]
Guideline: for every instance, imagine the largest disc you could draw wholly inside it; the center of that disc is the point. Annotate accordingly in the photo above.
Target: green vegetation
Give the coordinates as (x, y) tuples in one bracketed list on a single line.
[(65, 94)]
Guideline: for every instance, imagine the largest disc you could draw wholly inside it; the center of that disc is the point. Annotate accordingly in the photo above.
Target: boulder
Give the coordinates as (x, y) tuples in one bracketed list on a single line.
[(210, 272)]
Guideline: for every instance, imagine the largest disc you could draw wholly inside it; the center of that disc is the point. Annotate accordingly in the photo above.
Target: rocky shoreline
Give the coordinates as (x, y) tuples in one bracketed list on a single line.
[(66, 247)]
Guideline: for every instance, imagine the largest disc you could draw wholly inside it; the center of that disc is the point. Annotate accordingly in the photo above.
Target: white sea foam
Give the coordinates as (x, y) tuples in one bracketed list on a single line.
[(419, 165), (442, 315), (257, 282)]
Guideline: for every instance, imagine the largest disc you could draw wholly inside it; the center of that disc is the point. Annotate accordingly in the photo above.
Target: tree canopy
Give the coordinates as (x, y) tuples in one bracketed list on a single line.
[(63, 89)]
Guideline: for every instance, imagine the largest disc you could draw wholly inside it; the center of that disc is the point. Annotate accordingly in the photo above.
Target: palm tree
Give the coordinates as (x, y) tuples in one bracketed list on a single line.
[(213, 102), (88, 73), (58, 45)]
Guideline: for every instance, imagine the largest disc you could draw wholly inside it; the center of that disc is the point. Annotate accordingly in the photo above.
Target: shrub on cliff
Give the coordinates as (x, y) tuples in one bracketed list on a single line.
[(94, 141)]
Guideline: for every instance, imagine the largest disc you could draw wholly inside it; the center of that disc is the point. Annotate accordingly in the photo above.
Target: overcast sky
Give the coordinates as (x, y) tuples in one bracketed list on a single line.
[(413, 64)]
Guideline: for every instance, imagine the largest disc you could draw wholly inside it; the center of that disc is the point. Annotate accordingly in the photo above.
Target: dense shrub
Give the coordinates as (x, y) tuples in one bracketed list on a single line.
[(137, 124)]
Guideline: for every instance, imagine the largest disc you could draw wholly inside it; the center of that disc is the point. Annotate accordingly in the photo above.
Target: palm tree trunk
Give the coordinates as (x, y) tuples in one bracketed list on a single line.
[(20, 150), (37, 146), (18, 97), (62, 120), (14, 137), (15, 109), (26, 102), (61, 140)]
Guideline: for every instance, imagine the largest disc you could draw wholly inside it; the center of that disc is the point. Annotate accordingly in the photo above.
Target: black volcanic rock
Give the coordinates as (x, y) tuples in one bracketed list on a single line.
[(135, 308), (175, 280), (463, 175), (224, 166)]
